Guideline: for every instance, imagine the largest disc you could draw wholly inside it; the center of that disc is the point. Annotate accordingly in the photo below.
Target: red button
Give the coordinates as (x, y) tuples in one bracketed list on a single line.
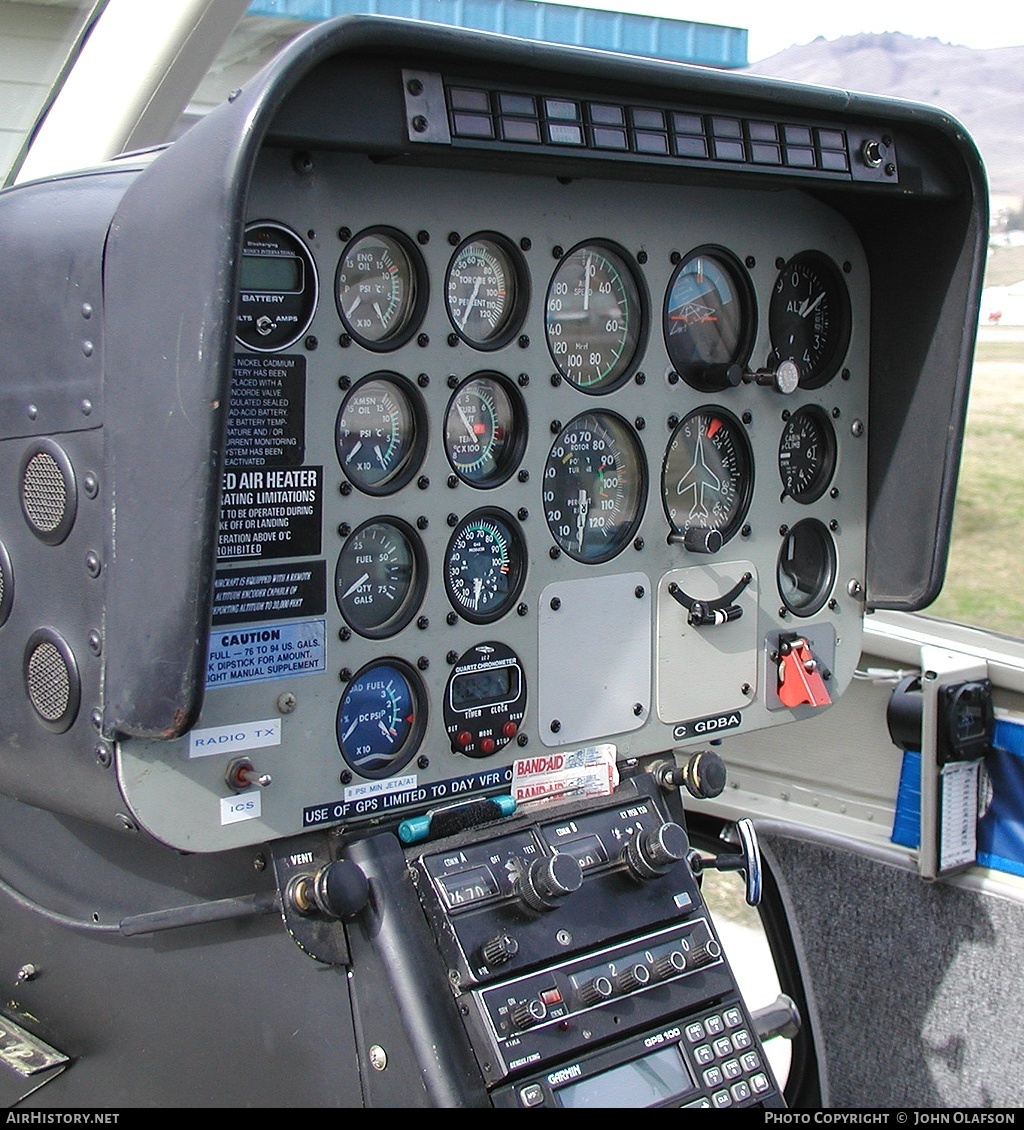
[(510, 729), (465, 738), (488, 745)]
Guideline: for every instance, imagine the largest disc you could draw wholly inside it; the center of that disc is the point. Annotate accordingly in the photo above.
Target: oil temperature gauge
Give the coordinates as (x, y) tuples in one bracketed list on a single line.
[(381, 288), (485, 565)]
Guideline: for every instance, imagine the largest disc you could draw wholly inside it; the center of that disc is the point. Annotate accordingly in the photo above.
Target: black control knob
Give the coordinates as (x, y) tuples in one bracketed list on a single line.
[(527, 1013), (595, 991), (548, 880), (499, 950), (635, 977), (338, 890), (669, 965), (703, 955), (653, 853)]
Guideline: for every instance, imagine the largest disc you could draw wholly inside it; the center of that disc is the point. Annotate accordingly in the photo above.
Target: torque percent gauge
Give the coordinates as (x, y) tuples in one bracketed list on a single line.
[(707, 477), (709, 321), (595, 486), (594, 317), (807, 454), (380, 718), (485, 429), (277, 288), (809, 318), (380, 577), (486, 291), (485, 565), (380, 435), (381, 288)]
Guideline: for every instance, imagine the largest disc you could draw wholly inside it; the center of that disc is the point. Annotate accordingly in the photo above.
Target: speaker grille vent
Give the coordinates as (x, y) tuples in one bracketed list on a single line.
[(6, 585), (51, 679), (48, 496)]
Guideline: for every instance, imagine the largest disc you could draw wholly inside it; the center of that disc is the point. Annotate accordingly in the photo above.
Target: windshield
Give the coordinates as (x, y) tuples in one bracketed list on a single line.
[(39, 40)]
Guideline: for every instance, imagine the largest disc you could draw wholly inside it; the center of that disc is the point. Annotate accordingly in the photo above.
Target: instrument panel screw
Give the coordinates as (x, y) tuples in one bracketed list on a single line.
[(453, 340), (833, 526), (423, 341), (638, 544), (423, 380), (834, 492), (555, 725), (95, 643), (422, 762), (344, 382), (378, 1058), (344, 529), (835, 413), (857, 429), (556, 380), (344, 341), (414, 87), (286, 702), (522, 610), (302, 163), (452, 619), (780, 263), (638, 708), (524, 476), (855, 589), (345, 488), (452, 658), (640, 423), (673, 422), (452, 519), (423, 482), (419, 124), (672, 377), (91, 484), (311, 342), (783, 530), (639, 592), (641, 378), (92, 564), (748, 418), (555, 604), (750, 261), (833, 605), (522, 513), (890, 170), (557, 251), (27, 973), (521, 740), (454, 238), (423, 237), (524, 341), (345, 674), (525, 243), (674, 257), (745, 689), (345, 776), (104, 758), (344, 233), (259, 862), (344, 634), (848, 266), (556, 427), (745, 532), (422, 522), (785, 415), (554, 553), (523, 380), (845, 374), (641, 257), (423, 623), (453, 481)]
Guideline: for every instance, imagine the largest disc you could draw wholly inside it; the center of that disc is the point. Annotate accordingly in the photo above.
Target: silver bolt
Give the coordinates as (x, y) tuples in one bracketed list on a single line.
[(378, 1058)]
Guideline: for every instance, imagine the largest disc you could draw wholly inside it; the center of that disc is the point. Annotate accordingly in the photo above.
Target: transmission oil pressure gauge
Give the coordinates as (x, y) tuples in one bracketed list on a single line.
[(381, 288), (380, 577), (807, 454), (277, 288), (595, 486), (486, 290), (594, 317), (485, 565), (485, 429), (380, 718), (707, 478), (381, 433), (809, 318), (708, 319)]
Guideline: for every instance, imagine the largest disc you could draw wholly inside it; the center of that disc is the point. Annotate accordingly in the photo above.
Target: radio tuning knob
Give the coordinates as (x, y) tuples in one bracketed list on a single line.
[(527, 1013), (548, 880), (499, 950), (653, 853), (704, 955), (669, 965)]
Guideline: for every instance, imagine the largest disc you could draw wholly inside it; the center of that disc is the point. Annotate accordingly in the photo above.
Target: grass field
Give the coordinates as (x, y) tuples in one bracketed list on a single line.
[(982, 586)]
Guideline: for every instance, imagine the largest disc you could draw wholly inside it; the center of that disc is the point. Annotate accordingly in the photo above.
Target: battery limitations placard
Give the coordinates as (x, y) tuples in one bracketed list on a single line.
[(271, 512), (267, 413)]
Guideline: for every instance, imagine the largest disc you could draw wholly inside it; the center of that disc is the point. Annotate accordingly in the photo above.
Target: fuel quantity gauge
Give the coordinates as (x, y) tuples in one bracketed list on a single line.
[(380, 577)]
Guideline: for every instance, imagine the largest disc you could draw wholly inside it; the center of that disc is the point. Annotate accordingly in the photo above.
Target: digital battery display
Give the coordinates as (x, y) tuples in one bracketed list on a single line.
[(275, 273), (478, 688)]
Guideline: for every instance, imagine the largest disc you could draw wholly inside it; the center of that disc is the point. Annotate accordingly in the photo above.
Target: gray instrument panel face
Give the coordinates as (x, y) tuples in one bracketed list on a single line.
[(283, 655)]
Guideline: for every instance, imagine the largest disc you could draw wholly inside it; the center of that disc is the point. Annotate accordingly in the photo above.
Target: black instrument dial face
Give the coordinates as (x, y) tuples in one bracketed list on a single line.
[(485, 430), (807, 454), (595, 486), (381, 288), (380, 435), (486, 291), (380, 718), (380, 577), (708, 319), (485, 565), (707, 477), (594, 317), (809, 318), (277, 288), (806, 567)]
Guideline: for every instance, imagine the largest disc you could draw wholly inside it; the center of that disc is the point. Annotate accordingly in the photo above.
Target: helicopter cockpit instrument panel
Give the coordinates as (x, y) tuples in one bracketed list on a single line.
[(540, 413)]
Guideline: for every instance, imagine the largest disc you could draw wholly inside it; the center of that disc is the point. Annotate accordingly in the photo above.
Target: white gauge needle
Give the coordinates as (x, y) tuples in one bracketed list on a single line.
[(385, 731), (380, 457), (352, 309), (471, 303), (467, 423), (356, 585), (581, 517), (354, 452), (383, 320), (587, 275), (348, 733), (478, 589), (808, 306)]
